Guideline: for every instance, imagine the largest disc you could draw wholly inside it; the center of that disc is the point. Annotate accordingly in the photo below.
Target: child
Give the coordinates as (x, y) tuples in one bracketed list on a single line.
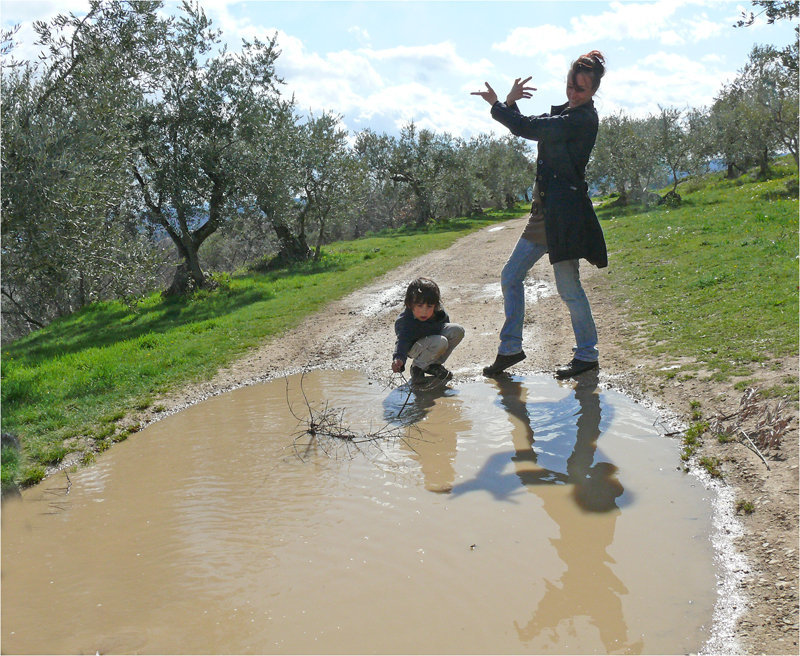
[(424, 333)]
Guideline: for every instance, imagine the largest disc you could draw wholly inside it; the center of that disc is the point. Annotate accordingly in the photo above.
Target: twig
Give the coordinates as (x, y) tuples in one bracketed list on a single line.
[(326, 428), (405, 403), (755, 447)]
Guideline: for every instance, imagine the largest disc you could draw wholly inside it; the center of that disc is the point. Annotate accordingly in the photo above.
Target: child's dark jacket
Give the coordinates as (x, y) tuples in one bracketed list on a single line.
[(409, 330)]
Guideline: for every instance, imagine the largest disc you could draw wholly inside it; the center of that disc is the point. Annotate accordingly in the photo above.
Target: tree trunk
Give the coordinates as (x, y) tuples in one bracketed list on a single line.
[(182, 282), (293, 248), (188, 274), (320, 238), (763, 169)]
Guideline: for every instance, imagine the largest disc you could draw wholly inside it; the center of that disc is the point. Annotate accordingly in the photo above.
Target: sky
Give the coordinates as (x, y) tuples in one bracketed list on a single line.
[(381, 64)]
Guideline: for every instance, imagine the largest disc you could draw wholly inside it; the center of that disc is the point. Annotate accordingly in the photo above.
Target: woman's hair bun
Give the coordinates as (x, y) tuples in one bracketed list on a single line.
[(596, 56)]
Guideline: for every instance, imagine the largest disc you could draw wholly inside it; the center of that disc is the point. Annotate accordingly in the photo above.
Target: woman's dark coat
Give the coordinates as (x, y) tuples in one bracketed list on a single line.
[(566, 137)]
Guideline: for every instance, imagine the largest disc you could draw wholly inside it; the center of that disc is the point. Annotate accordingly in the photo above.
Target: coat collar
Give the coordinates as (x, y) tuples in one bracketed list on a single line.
[(563, 109)]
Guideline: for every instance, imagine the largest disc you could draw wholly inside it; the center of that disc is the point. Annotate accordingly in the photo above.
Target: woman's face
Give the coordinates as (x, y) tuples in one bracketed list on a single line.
[(580, 91)]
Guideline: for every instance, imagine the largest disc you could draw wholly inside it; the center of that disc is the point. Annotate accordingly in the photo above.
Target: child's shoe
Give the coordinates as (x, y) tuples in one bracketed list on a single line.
[(417, 375), (438, 371)]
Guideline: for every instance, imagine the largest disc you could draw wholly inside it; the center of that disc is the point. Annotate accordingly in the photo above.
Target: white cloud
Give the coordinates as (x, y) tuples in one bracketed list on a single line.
[(630, 20), (702, 28), (337, 81), (672, 38), (528, 41), (361, 35), (637, 21), (380, 87), (233, 29), (664, 79), (432, 58)]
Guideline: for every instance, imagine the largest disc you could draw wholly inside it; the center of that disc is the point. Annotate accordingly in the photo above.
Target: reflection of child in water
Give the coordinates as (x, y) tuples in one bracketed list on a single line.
[(424, 333)]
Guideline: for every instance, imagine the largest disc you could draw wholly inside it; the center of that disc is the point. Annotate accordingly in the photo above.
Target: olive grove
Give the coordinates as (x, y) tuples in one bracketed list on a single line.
[(140, 154)]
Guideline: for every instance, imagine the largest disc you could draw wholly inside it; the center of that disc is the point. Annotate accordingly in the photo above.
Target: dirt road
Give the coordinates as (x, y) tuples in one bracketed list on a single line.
[(357, 333)]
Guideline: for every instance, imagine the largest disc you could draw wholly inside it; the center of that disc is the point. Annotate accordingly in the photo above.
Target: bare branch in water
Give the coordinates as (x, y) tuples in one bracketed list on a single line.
[(325, 429)]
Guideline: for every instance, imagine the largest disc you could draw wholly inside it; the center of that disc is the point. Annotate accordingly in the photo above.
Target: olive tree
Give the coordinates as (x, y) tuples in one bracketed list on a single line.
[(69, 227), (385, 197), (418, 161), (756, 115), (194, 134), (330, 175), (771, 87), (504, 167), (625, 158), (682, 144)]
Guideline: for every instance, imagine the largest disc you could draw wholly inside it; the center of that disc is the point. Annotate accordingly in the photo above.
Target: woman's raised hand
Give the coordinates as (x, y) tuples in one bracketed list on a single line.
[(519, 90), (489, 95)]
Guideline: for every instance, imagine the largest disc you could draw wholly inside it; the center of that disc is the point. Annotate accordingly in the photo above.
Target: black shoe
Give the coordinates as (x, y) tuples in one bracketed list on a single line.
[(576, 367), (438, 371), (417, 375), (503, 362)]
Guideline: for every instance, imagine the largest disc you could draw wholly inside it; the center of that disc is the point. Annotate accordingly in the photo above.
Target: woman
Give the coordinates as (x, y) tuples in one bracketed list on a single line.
[(562, 222)]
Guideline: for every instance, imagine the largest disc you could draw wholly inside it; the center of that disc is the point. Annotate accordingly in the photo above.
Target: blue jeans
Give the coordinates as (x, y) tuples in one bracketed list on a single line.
[(568, 284)]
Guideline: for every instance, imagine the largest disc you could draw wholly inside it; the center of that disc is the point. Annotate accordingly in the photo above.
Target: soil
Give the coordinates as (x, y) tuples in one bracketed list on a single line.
[(357, 333)]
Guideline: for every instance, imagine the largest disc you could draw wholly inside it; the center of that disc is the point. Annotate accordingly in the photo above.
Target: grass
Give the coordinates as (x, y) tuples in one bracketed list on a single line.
[(67, 387), (715, 279), (692, 439)]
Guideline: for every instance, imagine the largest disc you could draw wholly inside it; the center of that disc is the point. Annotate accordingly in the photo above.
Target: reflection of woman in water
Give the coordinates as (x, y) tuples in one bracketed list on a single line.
[(588, 590), (594, 486)]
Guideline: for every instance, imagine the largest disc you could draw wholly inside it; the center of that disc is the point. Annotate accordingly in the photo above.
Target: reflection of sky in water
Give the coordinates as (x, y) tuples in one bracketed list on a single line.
[(554, 429), (402, 408), (555, 443)]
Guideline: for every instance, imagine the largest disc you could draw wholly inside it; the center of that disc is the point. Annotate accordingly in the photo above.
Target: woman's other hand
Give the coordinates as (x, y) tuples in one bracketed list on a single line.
[(489, 95), (398, 365), (519, 90)]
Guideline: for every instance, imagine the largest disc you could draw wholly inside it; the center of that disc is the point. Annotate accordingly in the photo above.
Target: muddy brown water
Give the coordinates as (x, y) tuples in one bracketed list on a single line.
[(520, 515)]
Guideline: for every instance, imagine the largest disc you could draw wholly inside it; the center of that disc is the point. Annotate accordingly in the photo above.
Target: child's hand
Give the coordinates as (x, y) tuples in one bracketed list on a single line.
[(398, 366)]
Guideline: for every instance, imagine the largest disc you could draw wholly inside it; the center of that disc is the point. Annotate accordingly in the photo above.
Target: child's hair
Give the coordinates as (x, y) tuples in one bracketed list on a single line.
[(422, 290)]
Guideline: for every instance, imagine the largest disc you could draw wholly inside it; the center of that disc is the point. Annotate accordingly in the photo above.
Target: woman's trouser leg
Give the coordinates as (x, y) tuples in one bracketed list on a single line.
[(568, 283), (512, 281)]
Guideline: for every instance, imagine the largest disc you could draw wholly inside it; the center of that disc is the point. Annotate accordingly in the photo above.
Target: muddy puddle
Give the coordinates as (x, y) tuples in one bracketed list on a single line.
[(512, 516)]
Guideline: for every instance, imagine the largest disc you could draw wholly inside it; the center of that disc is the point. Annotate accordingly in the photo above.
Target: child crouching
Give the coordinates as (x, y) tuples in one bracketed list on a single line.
[(424, 333)]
